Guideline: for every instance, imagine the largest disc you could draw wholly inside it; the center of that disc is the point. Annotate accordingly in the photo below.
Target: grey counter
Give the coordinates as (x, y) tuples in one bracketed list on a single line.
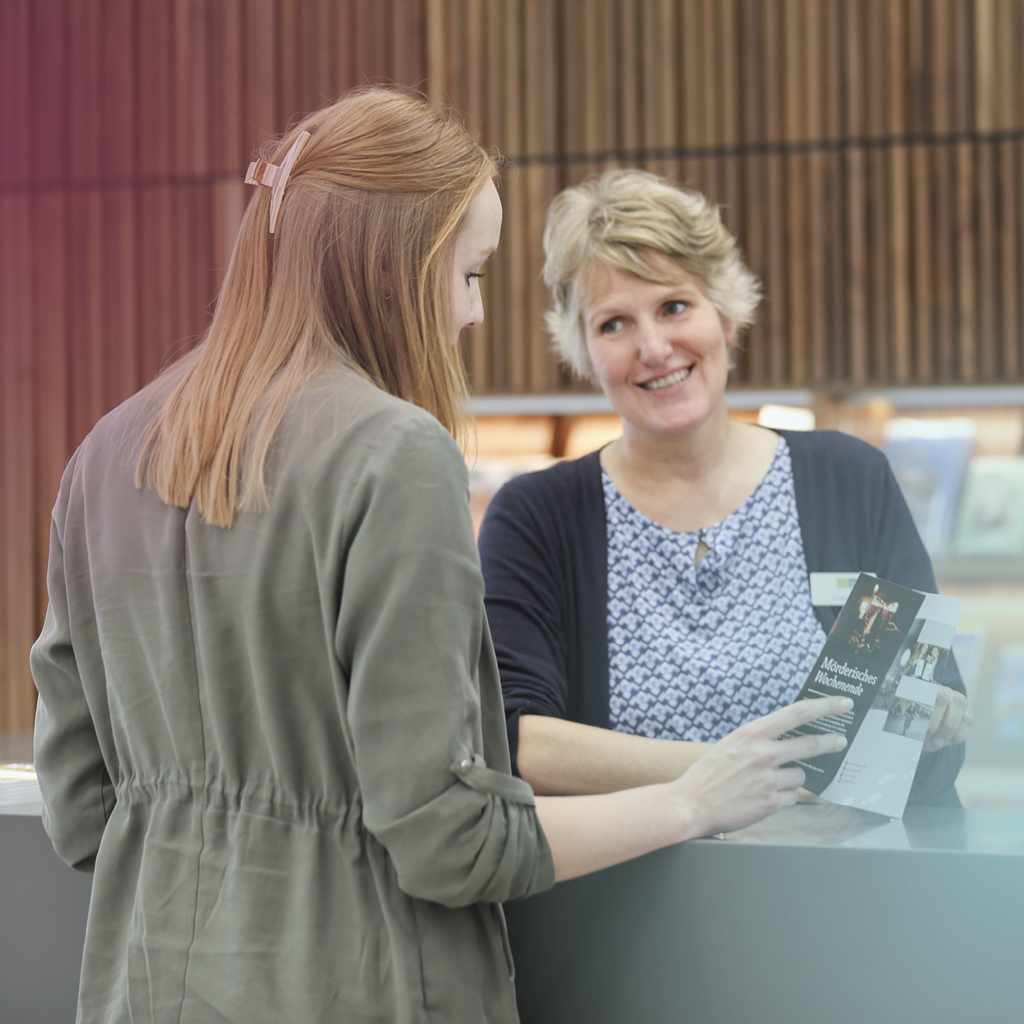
[(43, 906), (819, 914)]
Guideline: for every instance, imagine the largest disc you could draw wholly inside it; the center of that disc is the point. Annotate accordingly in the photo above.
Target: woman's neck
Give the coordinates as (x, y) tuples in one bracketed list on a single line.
[(692, 481), (690, 457)]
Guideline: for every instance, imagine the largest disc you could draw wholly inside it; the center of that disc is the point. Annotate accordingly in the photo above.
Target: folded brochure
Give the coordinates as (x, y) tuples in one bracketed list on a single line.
[(887, 651)]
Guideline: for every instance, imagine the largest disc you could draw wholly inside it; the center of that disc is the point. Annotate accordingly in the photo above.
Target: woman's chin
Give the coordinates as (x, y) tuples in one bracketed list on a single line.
[(665, 427), (668, 415)]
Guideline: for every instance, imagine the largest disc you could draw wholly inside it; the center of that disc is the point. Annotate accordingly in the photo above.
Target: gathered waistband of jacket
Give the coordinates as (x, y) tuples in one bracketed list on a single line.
[(266, 800)]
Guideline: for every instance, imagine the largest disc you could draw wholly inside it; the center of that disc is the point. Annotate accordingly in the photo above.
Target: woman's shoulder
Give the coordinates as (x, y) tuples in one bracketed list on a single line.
[(834, 454), (116, 439), (840, 476), (552, 518), (563, 477), (344, 393), (328, 411), (830, 444), (340, 407), (568, 485), (343, 435)]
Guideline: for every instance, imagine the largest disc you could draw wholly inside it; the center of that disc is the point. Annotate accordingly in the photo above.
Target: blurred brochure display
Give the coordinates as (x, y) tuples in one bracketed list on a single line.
[(1008, 694), (991, 520), (887, 652), (969, 651), (929, 459)]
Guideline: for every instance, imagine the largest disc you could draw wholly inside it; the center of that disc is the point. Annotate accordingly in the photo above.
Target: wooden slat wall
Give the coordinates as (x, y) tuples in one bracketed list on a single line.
[(126, 130), (869, 155)]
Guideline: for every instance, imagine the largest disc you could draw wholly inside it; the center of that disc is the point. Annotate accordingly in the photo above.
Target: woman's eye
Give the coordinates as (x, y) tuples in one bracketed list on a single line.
[(610, 327), (675, 307), (471, 275)]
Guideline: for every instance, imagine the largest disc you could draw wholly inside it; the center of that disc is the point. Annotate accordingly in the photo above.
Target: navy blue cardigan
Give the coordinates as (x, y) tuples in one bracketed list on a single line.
[(544, 552)]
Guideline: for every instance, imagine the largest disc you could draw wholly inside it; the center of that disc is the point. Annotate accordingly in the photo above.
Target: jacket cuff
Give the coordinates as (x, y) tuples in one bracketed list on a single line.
[(471, 770)]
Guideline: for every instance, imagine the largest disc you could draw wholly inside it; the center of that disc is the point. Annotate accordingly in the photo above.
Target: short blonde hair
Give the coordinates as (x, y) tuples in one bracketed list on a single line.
[(622, 219)]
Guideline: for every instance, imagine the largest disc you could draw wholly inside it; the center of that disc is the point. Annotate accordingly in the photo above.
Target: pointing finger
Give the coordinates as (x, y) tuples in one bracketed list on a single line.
[(803, 712)]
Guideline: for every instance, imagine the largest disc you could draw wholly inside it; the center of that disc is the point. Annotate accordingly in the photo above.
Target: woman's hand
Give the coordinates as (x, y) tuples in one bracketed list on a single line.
[(745, 777), (951, 720)]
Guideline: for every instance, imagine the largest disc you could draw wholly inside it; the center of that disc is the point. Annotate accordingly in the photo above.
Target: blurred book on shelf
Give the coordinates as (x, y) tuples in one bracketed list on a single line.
[(969, 650), (929, 458), (1008, 694), (991, 519), (785, 417)]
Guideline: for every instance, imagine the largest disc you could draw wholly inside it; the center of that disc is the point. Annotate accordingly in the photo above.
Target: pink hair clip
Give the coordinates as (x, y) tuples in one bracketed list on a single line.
[(276, 177)]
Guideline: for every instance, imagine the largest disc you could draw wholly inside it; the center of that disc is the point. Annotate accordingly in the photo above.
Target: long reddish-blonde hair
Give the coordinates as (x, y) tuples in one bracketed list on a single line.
[(358, 272)]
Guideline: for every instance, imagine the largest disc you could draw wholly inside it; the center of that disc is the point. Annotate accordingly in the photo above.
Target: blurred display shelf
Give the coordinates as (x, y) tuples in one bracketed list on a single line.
[(19, 790), (582, 403), (989, 785), (979, 570), (940, 397), (568, 404)]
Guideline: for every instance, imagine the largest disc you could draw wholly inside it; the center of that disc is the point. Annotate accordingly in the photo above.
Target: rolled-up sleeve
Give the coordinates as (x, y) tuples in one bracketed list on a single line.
[(414, 647)]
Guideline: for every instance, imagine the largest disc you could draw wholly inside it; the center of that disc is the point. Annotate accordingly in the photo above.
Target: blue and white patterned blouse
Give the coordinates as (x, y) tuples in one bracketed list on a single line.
[(697, 650)]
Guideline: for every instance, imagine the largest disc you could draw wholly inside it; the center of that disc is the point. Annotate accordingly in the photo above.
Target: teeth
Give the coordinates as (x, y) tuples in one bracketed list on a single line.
[(665, 382)]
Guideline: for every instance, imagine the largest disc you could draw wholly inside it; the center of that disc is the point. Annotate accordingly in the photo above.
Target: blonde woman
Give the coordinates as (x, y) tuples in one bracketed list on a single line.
[(269, 715), (648, 599)]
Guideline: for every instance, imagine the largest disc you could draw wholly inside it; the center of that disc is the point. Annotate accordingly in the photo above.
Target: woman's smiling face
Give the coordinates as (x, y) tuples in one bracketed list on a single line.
[(660, 352)]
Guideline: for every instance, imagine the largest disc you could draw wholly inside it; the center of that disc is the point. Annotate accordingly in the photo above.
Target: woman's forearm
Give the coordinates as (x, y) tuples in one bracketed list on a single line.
[(587, 833), (740, 779), (560, 757)]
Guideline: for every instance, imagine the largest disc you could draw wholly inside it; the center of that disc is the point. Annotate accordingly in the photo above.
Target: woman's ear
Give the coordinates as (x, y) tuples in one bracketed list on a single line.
[(732, 344)]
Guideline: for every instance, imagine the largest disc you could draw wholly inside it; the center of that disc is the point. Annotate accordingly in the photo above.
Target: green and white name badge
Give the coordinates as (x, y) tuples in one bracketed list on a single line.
[(831, 589)]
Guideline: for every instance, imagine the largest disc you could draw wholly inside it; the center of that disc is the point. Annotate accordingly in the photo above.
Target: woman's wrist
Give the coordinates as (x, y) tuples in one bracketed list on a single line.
[(692, 818)]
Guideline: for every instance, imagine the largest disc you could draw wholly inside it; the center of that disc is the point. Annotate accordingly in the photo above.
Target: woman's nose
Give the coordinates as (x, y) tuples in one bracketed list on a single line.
[(476, 311), (653, 344)]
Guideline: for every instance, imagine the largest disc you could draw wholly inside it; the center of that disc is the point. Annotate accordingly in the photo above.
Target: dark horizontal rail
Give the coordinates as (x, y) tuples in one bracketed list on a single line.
[(742, 149)]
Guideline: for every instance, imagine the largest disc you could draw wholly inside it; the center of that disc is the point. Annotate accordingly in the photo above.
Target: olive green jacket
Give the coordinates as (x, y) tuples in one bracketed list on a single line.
[(281, 746)]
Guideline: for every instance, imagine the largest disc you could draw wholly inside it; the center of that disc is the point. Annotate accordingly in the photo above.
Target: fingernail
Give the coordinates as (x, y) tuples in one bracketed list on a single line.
[(842, 742), (938, 743), (846, 704)]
